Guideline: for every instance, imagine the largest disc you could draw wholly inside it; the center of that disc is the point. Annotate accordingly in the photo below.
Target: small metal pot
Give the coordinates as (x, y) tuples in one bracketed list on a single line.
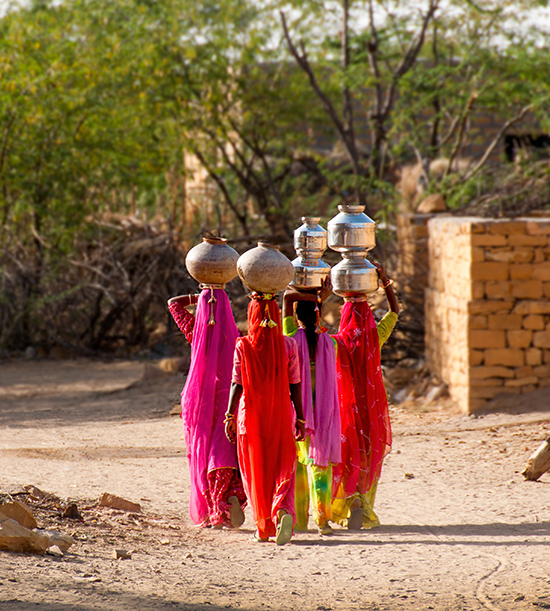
[(309, 273), (354, 275), (351, 229), (310, 239)]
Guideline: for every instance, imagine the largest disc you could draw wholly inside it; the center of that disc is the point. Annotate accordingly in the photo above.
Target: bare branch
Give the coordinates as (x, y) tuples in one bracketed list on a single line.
[(518, 117), (464, 119)]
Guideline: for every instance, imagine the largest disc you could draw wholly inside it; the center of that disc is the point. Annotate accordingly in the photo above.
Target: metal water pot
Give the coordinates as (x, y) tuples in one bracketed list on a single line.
[(354, 275), (310, 242), (212, 262), (310, 239), (351, 229), (265, 269), (309, 273)]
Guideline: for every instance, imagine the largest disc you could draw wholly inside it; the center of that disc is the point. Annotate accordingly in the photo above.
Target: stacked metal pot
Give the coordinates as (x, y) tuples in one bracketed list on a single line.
[(352, 234)]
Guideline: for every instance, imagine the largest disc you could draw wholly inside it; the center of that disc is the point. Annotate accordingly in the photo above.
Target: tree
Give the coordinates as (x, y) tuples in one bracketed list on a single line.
[(417, 73)]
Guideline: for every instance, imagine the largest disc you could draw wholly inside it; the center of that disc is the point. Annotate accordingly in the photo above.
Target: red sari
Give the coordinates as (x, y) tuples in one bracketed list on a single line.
[(366, 429), (265, 420)]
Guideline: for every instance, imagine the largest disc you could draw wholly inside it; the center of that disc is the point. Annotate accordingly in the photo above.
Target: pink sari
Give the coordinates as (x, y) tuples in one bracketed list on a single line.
[(323, 421), (204, 401)]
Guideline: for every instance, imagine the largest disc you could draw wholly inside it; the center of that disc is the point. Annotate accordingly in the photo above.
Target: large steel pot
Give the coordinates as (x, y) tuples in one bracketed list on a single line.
[(212, 261), (264, 269), (354, 275), (351, 229)]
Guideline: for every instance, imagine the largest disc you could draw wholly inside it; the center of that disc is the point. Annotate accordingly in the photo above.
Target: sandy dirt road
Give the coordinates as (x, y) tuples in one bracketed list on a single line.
[(461, 528)]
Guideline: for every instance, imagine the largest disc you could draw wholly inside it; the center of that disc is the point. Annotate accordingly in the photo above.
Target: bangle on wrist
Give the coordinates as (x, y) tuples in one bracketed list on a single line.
[(387, 283), (300, 421)]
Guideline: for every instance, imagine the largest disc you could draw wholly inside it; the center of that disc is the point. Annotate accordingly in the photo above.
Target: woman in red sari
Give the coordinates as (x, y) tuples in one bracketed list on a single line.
[(365, 421), (266, 376)]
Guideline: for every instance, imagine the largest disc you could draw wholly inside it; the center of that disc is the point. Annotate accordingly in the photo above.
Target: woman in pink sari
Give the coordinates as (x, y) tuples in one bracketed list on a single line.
[(217, 496), (365, 421)]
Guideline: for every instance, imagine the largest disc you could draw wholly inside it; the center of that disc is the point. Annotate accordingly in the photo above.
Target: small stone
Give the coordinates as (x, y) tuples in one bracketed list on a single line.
[(409, 476), (21, 513), (71, 512), (121, 554), (57, 539), (54, 550), (519, 597), (165, 542), (189, 555), (176, 410), (117, 502)]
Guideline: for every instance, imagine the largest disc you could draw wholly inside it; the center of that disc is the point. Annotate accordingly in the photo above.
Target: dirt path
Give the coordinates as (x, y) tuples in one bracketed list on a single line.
[(461, 529)]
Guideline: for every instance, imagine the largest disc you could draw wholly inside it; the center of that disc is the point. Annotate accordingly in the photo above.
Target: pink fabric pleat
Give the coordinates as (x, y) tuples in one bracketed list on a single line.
[(205, 397), (323, 420)]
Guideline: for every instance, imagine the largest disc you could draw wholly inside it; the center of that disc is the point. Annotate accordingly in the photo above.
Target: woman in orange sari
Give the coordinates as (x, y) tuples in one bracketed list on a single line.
[(260, 415)]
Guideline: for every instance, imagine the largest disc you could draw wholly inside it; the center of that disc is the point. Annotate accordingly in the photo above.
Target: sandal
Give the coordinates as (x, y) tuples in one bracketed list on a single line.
[(355, 520), (284, 530), (236, 513), (325, 529), (257, 539)]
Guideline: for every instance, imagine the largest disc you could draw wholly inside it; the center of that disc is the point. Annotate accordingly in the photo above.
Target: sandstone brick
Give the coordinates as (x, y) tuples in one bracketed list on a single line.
[(538, 227), (541, 339), (478, 290), (546, 356), (534, 322), (491, 372), (490, 270), (508, 357), (521, 381), (523, 372), (527, 240), (485, 392), (505, 321), (546, 289), (489, 240), (476, 357), (543, 371), (498, 290), (528, 388), (477, 255), (520, 338), (492, 306), (533, 357), (509, 255), (541, 271), (478, 322), (508, 227), (494, 338), (543, 383), (527, 289), (482, 382), (532, 307), (538, 255), (477, 227), (521, 271)]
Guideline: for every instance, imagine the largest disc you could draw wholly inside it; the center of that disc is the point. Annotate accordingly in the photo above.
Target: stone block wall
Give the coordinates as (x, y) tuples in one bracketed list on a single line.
[(488, 306)]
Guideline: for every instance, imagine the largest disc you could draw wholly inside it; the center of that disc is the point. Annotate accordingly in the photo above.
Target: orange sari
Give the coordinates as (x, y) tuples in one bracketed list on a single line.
[(265, 420)]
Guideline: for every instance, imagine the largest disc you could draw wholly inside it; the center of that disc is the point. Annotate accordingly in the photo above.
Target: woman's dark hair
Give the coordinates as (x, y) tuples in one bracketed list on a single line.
[(306, 313)]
